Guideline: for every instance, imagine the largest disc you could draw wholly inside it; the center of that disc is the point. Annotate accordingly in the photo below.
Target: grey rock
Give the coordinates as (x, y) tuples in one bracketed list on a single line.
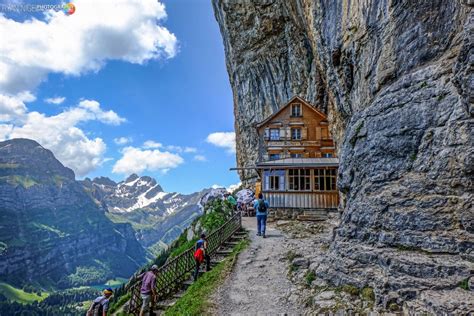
[(396, 80), (326, 295), (300, 262)]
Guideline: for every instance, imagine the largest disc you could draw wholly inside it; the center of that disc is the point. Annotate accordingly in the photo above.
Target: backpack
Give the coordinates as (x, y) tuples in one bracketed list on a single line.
[(199, 255), (97, 308), (262, 207)]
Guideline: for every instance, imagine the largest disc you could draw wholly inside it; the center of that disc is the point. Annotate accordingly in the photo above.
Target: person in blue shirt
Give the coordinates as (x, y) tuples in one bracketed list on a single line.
[(202, 243), (261, 207)]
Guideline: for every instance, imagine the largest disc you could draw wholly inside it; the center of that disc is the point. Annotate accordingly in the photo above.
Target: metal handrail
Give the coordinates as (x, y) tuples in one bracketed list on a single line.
[(171, 275)]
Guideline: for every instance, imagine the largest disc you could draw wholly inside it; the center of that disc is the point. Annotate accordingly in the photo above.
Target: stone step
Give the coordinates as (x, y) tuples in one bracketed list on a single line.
[(315, 212), (178, 295), (237, 237), (231, 243), (163, 305), (188, 283), (312, 218), (224, 252)]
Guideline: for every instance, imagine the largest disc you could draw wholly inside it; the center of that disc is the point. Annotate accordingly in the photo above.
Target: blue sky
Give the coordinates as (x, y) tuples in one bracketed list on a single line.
[(177, 98)]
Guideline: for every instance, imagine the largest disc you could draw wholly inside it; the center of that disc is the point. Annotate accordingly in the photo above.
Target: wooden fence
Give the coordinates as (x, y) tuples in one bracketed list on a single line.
[(171, 275)]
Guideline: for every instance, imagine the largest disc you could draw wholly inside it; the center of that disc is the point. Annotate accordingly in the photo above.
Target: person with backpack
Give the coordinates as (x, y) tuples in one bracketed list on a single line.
[(100, 305), (148, 289), (261, 207), (200, 254)]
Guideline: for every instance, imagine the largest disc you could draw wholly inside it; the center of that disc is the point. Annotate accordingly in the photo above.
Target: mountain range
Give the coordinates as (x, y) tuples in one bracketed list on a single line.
[(57, 232)]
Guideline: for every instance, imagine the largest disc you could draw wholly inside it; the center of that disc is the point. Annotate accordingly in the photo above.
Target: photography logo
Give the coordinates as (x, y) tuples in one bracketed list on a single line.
[(69, 8)]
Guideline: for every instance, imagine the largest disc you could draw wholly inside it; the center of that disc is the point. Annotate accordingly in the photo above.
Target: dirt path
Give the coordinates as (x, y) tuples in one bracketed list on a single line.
[(259, 284)]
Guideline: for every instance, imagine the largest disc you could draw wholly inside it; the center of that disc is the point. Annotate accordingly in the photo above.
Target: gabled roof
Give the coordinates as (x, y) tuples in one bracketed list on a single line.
[(295, 98)]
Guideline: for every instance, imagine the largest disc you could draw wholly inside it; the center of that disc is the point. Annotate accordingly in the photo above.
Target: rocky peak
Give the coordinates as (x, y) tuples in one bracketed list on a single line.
[(131, 178), (104, 181), (27, 158)]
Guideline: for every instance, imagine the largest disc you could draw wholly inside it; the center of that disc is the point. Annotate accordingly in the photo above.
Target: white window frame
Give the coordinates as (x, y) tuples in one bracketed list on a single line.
[(299, 134), (274, 130), (295, 112)]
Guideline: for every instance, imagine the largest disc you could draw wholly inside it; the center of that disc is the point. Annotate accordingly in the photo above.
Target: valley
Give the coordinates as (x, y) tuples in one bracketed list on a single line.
[(59, 234)]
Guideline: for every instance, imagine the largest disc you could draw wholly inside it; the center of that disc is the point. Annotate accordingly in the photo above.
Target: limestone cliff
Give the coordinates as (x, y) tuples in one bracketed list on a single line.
[(396, 79)]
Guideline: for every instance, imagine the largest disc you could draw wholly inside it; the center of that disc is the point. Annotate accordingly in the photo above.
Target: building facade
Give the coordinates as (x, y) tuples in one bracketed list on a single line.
[(297, 159)]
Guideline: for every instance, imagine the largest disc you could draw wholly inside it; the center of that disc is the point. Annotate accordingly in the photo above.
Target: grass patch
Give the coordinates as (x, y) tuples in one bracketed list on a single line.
[(116, 305), (464, 284), (368, 294), (19, 295), (352, 290), (291, 255), (310, 277), (196, 299), (25, 182), (9, 165)]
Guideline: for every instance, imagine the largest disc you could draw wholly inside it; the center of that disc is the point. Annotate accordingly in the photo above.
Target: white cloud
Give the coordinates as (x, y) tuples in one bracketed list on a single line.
[(190, 150), (223, 139), (152, 144), (13, 106), (137, 160), (200, 158), (55, 100), (107, 117), (122, 140), (231, 188), (98, 31), (60, 134)]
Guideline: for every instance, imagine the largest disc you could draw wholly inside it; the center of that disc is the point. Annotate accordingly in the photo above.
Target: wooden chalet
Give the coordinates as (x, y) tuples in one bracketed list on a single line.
[(298, 164)]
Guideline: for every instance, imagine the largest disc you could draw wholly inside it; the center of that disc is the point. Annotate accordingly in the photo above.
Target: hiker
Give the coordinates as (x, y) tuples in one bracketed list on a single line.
[(261, 207), (200, 254), (148, 291), (232, 202), (100, 306)]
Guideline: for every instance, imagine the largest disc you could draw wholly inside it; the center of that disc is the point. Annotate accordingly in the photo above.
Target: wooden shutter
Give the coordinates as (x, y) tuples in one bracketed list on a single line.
[(288, 133), (318, 133), (266, 183), (304, 133), (282, 183), (324, 133), (267, 134), (282, 133)]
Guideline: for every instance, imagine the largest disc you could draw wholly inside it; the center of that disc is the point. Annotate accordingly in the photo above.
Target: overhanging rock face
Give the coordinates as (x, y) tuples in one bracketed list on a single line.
[(396, 79)]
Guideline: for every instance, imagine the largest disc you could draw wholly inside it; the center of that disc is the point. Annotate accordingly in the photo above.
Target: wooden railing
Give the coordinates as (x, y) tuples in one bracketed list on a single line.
[(171, 275)]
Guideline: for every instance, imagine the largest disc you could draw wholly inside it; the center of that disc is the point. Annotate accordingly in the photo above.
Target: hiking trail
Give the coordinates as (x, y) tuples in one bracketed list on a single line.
[(258, 284)]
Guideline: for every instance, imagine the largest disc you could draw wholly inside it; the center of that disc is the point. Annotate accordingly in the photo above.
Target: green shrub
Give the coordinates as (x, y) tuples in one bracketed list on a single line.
[(464, 284), (368, 294), (352, 290), (310, 277)]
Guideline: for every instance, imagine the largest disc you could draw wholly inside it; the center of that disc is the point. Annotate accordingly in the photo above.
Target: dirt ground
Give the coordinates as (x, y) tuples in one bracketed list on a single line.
[(259, 284)]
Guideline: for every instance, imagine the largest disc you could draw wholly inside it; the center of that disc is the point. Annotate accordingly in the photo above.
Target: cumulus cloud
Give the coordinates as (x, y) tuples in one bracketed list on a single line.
[(60, 133), (55, 100), (201, 158), (223, 139), (13, 106), (98, 31), (137, 160), (122, 140)]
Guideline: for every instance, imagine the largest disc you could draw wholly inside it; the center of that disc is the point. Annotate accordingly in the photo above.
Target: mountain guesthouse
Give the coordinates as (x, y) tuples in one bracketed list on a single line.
[(297, 164)]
